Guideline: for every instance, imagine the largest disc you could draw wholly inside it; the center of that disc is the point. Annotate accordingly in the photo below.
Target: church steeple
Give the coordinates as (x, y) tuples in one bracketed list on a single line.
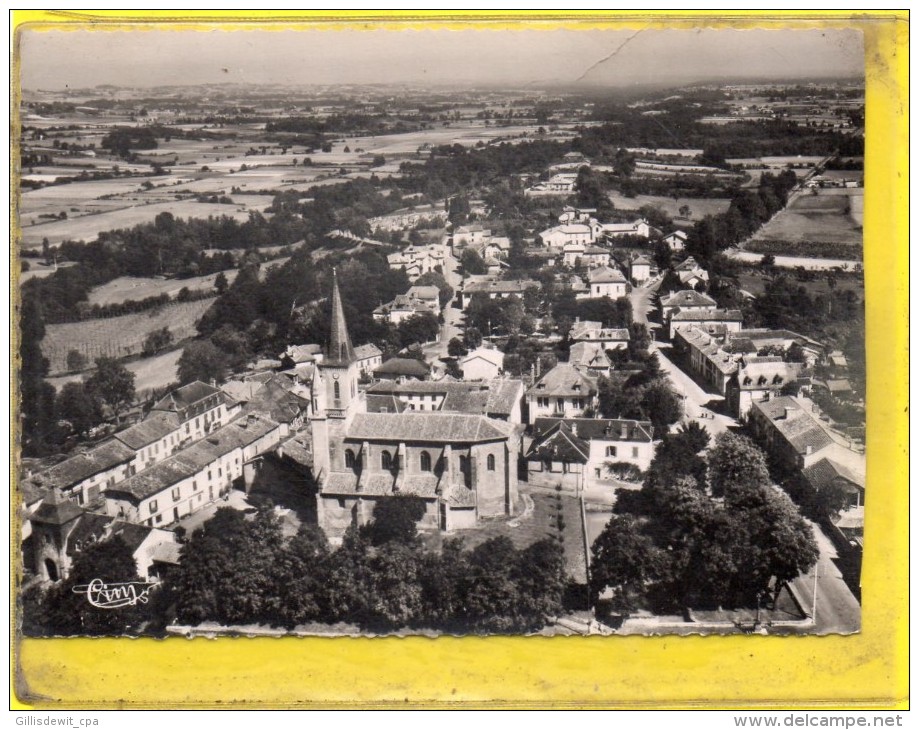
[(341, 351)]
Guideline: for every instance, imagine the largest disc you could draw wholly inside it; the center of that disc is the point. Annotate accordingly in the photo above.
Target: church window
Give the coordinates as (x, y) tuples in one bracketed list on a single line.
[(337, 391), (425, 461), (386, 460), (491, 462), (350, 461)]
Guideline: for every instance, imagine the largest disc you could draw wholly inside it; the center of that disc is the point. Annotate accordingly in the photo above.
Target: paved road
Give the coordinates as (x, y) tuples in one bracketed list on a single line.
[(454, 319), (698, 403), (837, 610)]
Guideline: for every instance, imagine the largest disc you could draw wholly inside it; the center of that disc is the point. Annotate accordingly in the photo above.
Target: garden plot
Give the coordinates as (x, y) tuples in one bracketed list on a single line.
[(823, 218), (119, 337), (699, 207)]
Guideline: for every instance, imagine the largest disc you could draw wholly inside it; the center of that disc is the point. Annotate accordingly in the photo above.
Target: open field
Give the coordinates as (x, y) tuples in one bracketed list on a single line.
[(699, 207), (118, 336), (149, 372), (756, 284), (87, 228), (822, 218)]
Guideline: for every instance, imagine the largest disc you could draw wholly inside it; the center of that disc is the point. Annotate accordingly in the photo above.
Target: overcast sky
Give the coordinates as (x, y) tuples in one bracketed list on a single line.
[(56, 60)]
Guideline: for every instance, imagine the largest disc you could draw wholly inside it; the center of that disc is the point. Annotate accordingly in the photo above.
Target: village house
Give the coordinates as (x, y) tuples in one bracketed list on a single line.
[(590, 358), (402, 369), (761, 378), (691, 275), (298, 354), (605, 282), (675, 241), (580, 256), (190, 479), (640, 270), (483, 363), (684, 300), (563, 392), (500, 398), (786, 427), (567, 234), (416, 301), (462, 466), (418, 260), (609, 338), (562, 183), (61, 531), (368, 358), (576, 452), (471, 235), (494, 289), (730, 319), (638, 227)]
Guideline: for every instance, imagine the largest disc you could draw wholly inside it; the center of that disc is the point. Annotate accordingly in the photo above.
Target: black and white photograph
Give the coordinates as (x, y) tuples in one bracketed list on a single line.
[(443, 332)]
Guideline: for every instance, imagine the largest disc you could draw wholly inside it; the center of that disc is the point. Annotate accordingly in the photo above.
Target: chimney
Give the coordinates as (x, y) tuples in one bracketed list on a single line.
[(574, 429), (808, 450)]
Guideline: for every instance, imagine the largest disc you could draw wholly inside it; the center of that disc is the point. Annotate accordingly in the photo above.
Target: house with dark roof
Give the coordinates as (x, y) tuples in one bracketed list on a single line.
[(676, 241), (402, 368), (493, 289), (786, 427), (575, 452), (564, 391), (684, 300), (610, 338), (732, 319), (829, 473), (760, 378), (500, 398)]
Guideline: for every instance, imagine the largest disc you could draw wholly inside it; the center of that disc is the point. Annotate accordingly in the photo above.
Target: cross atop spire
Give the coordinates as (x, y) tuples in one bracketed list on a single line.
[(341, 351)]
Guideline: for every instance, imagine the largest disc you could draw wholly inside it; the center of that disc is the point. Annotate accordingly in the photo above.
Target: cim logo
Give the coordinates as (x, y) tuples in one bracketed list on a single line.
[(114, 595)]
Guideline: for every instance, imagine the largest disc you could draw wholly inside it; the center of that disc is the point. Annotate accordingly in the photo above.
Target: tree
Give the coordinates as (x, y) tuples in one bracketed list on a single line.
[(685, 211), (202, 360), (156, 341), (227, 569), (624, 164), (735, 462), (456, 348), (220, 283), (780, 543), (767, 261), (472, 338), (473, 264), (113, 383), (625, 561), (396, 519), (76, 361), (418, 329), (79, 407)]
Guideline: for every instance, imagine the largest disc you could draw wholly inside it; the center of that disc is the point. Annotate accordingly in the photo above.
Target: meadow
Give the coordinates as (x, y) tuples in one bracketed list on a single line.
[(832, 216), (699, 207)]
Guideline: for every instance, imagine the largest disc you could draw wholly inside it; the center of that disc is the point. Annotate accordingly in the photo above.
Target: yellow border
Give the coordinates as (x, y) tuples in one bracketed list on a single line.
[(867, 670)]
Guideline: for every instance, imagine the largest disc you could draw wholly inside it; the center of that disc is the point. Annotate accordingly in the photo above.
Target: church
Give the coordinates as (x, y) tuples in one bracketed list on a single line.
[(464, 466)]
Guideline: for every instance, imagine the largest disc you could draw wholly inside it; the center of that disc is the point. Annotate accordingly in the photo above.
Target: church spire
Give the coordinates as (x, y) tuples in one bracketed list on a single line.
[(341, 352)]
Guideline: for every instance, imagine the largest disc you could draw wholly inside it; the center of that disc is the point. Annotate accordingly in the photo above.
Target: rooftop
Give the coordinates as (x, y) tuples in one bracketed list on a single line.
[(798, 427), (403, 366), (564, 380), (416, 427), (154, 427)]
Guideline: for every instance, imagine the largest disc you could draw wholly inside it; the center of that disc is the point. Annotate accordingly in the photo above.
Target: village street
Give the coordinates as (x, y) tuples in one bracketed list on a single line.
[(697, 402), (453, 316), (835, 609)]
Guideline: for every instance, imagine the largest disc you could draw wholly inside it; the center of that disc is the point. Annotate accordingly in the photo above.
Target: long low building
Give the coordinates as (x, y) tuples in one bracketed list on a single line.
[(205, 471)]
